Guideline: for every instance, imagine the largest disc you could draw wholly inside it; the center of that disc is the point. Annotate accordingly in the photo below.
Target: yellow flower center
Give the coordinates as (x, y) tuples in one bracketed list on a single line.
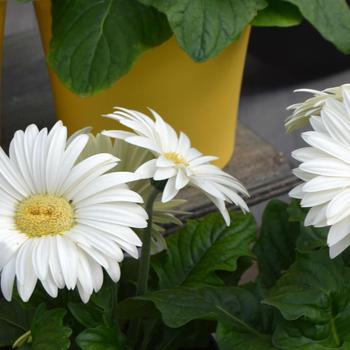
[(176, 158), (42, 215)]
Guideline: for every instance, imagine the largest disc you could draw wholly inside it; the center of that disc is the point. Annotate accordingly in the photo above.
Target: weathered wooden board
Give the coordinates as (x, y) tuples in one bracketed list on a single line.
[(27, 99)]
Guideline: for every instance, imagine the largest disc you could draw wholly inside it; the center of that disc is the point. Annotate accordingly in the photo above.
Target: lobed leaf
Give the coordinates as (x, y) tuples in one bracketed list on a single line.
[(203, 247)]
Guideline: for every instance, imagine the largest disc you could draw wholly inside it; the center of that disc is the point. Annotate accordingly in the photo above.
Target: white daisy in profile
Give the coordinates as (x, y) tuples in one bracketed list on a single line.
[(62, 221), (325, 171), (175, 161), (313, 105)]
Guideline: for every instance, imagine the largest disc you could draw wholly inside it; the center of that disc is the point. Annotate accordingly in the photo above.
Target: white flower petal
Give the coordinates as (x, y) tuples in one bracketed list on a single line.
[(147, 170), (170, 190), (68, 258), (40, 258), (323, 183), (326, 167), (338, 248), (50, 286), (316, 198), (164, 173), (327, 145), (338, 231), (339, 207), (113, 270), (297, 192), (8, 275), (308, 153), (181, 179), (316, 216)]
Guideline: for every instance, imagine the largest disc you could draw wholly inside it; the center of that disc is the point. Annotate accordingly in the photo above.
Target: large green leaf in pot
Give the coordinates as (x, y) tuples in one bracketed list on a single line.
[(204, 28), (330, 18), (96, 42), (202, 247), (275, 248)]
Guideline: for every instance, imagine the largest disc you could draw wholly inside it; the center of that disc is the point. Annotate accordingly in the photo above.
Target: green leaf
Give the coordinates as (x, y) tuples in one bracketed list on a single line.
[(202, 247), (275, 247), (304, 336), (96, 42), (229, 339), (330, 18), (181, 305), (100, 338), (87, 315), (195, 334), (133, 308), (204, 28), (14, 321), (313, 288), (278, 14), (48, 331), (314, 295)]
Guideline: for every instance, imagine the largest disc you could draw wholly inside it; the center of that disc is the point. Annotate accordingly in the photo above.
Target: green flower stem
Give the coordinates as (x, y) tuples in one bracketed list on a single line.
[(144, 264)]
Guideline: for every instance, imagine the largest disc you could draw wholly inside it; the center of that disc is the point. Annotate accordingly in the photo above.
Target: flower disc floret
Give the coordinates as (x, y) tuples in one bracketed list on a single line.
[(42, 215)]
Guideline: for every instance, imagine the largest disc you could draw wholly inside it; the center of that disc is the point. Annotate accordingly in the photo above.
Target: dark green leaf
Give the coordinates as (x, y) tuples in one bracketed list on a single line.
[(314, 295), (305, 336), (275, 247), (314, 287), (14, 322), (278, 14), (204, 28), (193, 335), (330, 18), (48, 331), (96, 42), (100, 338), (87, 315), (202, 247), (229, 339), (181, 305), (133, 308)]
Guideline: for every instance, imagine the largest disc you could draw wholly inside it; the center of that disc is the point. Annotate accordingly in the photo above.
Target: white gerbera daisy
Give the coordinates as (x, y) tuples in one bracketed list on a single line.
[(61, 220), (312, 106), (176, 161), (325, 170)]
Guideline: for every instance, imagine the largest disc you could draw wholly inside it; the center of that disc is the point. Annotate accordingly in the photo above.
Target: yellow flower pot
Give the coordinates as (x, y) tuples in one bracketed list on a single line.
[(199, 99)]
